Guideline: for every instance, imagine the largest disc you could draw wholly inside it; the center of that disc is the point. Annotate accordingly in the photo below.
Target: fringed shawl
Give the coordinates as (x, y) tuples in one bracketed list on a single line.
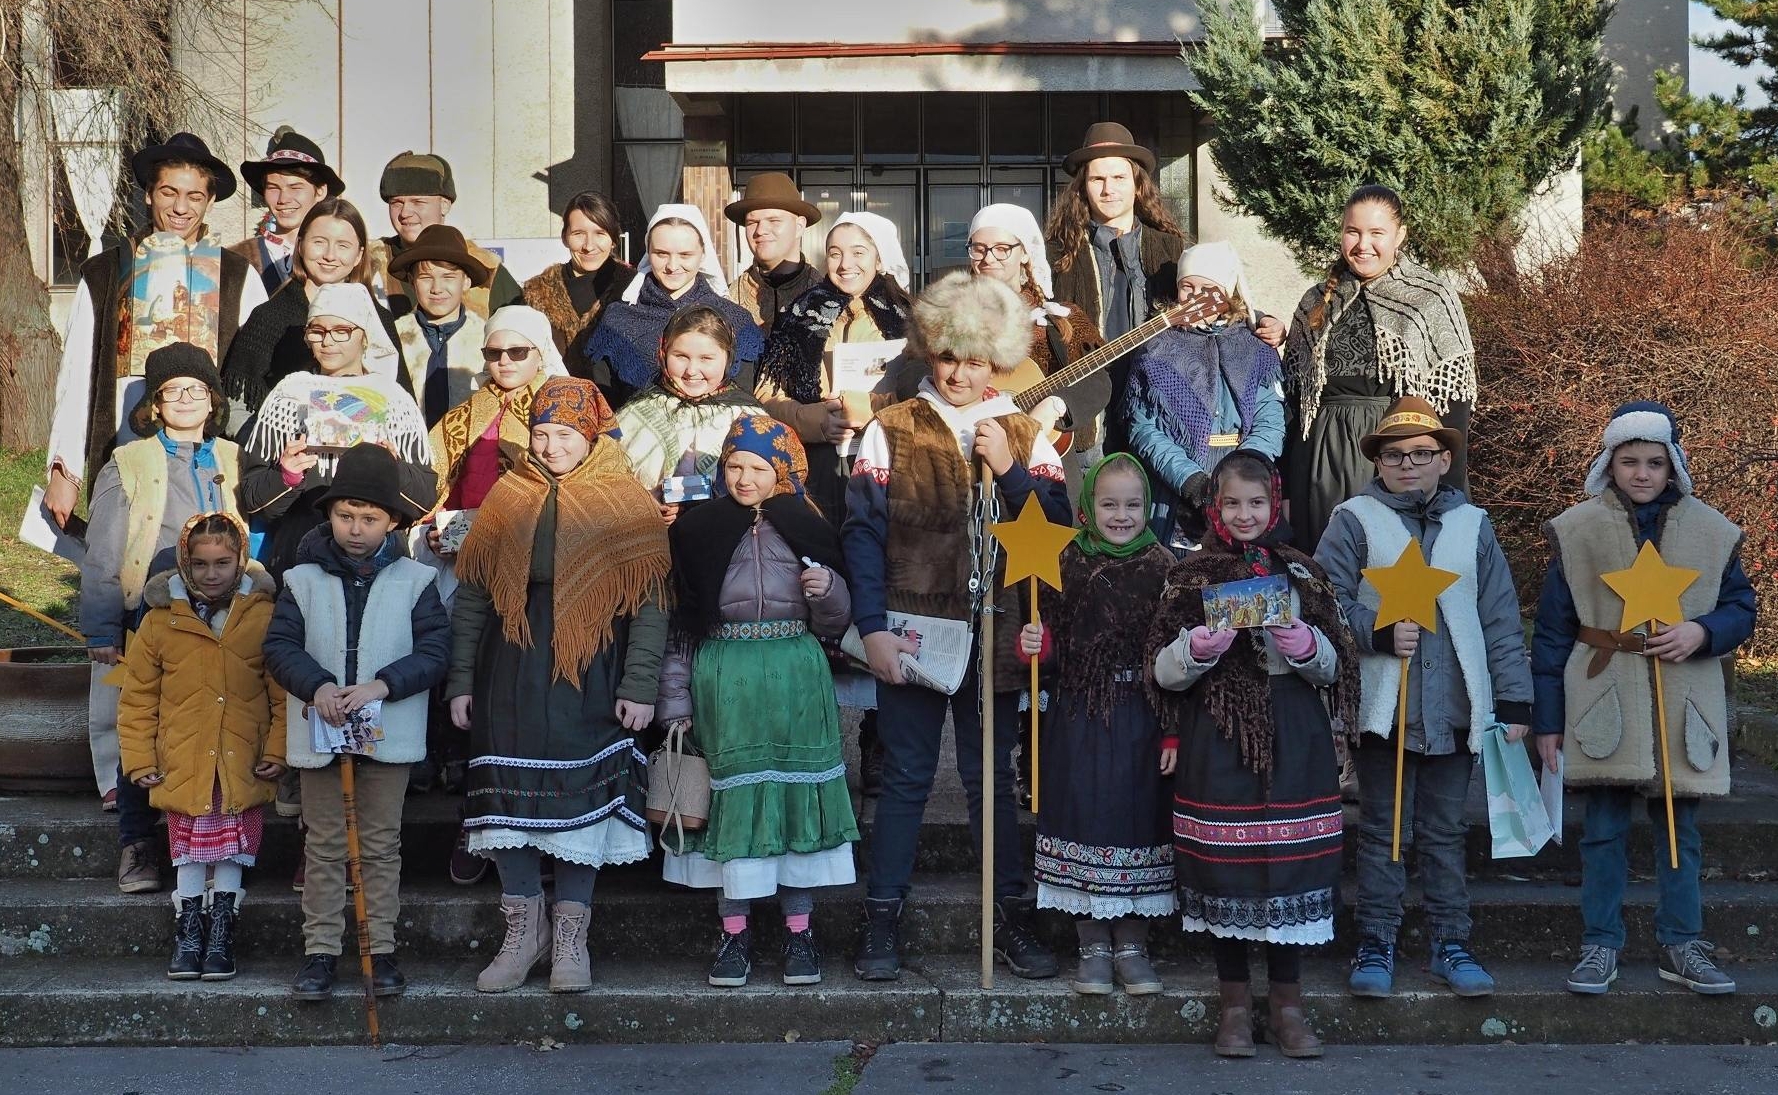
[(339, 411), (794, 352), (1180, 376), (611, 554), (1423, 343), (1100, 621)]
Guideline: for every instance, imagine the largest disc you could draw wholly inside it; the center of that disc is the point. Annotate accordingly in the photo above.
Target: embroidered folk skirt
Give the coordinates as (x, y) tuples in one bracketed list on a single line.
[(215, 837), (1103, 849), (764, 715), (1252, 864)]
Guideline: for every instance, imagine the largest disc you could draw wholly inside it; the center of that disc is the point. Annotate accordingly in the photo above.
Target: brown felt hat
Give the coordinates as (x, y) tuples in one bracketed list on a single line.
[(1108, 139), (772, 190), (441, 243), (1409, 416)]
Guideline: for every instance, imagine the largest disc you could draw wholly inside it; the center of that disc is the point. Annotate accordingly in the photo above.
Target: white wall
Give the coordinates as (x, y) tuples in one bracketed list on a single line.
[(704, 22)]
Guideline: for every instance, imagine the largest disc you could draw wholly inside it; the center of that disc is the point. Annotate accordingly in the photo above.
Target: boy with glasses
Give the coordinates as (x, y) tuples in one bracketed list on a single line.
[(1469, 674), (441, 339)]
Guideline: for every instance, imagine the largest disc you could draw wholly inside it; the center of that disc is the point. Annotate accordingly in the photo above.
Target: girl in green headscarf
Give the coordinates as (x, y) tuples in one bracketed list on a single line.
[(1104, 838)]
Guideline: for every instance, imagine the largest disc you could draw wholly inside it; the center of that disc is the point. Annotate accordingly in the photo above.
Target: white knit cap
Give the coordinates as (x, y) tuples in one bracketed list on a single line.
[(533, 326), (1022, 224), (711, 269), (881, 231), (1219, 263), (350, 301), (1639, 424)]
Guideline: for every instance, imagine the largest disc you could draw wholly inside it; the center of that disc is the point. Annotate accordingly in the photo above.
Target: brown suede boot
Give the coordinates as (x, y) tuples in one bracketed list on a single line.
[(526, 943), (1289, 1029), (1234, 1031), (571, 968)]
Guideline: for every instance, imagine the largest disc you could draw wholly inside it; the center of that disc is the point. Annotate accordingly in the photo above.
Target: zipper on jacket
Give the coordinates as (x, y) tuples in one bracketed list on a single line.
[(759, 569)]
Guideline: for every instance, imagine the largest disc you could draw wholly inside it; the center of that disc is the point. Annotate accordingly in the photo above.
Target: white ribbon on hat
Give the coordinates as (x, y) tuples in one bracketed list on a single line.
[(1022, 224), (350, 301), (532, 326), (1218, 263), (710, 268), (883, 233)]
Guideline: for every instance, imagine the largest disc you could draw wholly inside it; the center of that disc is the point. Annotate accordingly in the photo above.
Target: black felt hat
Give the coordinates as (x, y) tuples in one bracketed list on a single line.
[(185, 147), (370, 473), (293, 153)]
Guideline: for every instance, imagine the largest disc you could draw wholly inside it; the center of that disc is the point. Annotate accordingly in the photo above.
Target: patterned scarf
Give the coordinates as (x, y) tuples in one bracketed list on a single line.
[(174, 295), (771, 441), (1100, 620), (488, 411), (794, 355), (1090, 539), (1257, 554), (1180, 377), (207, 611), (629, 335)]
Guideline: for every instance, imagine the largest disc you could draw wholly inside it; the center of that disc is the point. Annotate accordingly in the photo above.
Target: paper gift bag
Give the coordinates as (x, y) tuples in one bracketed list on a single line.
[(1516, 816)]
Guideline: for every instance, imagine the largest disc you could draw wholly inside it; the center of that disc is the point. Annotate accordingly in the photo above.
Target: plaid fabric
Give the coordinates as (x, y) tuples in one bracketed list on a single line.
[(215, 837)]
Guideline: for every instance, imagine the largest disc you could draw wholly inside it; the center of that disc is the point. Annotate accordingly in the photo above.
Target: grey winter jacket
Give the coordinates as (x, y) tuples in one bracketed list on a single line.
[(1438, 702)]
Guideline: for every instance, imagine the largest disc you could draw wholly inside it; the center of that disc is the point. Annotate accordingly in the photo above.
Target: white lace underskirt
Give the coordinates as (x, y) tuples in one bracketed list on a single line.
[(1319, 931), (745, 879), (1104, 906), (604, 843)]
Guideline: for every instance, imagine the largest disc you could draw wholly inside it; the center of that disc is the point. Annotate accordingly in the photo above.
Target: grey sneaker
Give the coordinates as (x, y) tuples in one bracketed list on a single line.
[(1093, 976), (733, 960), (1595, 971), (1689, 964)]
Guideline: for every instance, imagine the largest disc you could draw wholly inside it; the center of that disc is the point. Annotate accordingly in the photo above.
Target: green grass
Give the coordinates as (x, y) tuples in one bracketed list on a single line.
[(46, 583), (1756, 682)]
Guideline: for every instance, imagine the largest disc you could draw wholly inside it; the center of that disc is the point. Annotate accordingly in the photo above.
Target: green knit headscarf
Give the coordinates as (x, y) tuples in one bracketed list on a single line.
[(1090, 540)]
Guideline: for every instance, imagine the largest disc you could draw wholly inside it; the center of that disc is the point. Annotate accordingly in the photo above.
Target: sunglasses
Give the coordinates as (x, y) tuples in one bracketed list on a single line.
[(491, 354)]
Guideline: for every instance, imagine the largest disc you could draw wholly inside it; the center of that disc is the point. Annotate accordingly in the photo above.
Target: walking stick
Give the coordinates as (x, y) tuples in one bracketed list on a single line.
[(1401, 756), (1666, 757), (990, 772), (355, 878), (41, 618), (1036, 752)]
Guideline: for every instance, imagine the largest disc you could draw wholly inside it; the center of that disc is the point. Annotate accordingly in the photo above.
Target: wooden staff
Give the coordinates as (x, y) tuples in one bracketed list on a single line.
[(1401, 754), (1036, 752), (41, 618), (1654, 628), (989, 773), (355, 877)]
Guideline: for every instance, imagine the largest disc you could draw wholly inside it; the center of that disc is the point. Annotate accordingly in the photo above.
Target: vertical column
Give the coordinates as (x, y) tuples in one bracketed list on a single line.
[(467, 129), (525, 51), (385, 77)]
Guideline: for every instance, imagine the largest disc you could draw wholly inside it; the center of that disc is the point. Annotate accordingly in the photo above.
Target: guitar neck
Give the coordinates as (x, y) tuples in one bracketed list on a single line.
[(1091, 363)]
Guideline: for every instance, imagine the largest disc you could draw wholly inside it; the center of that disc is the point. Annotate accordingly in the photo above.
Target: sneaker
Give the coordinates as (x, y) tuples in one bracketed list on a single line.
[(1689, 964), (467, 868), (1373, 969), (138, 868), (299, 876), (879, 941), (108, 803), (733, 960), (1016, 943), (1452, 963), (802, 962), (385, 976), (1595, 971), (315, 980)]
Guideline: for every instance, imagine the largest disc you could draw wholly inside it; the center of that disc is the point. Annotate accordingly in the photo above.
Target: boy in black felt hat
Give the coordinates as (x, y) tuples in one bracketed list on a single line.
[(291, 178), (358, 623)]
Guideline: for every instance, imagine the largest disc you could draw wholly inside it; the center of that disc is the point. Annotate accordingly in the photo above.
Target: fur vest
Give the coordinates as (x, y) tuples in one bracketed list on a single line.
[(463, 356)]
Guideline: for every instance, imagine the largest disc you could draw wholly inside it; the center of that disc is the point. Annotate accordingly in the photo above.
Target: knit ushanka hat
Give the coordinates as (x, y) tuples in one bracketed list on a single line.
[(1642, 420)]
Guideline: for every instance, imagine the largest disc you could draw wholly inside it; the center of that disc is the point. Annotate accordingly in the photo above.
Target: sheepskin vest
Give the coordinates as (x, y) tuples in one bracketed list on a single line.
[(142, 469), (385, 635), (1385, 537), (931, 497), (1609, 720)]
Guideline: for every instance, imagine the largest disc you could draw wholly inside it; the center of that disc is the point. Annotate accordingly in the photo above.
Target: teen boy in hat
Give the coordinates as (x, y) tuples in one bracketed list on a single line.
[(774, 215), (291, 178), (441, 339), (420, 191)]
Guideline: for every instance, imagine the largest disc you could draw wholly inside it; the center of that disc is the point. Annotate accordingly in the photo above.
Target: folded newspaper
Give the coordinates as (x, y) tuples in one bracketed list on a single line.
[(360, 735), (943, 657)]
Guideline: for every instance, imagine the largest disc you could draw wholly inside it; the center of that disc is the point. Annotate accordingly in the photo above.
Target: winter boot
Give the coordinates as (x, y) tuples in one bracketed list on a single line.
[(802, 962), (526, 944), (1130, 958), (570, 968), (1287, 1027), (879, 941), (1093, 972), (1234, 1030), (219, 939), (1016, 943), (187, 963), (734, 960)]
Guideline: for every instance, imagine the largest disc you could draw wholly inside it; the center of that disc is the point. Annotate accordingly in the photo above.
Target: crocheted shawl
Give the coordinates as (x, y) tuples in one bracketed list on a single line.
[(339, 412), (1423, 344), (629, 335), (794, 352), (611, 554), (1100, 621), (1180, 375)]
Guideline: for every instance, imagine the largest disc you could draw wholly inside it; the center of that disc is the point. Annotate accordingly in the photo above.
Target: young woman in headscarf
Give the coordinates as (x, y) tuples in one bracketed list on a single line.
[(1256, 796), (679, 268), (760, 575), (294, 439), (1104, 853), (558, 631)]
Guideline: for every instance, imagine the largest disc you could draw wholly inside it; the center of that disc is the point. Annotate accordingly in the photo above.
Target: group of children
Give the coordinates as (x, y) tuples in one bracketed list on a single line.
[(1186, 770)]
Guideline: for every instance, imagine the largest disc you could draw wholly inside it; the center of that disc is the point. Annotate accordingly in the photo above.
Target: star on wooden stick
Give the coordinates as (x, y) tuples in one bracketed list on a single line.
[(1650, 589), (1409, 588), (1033, 545)]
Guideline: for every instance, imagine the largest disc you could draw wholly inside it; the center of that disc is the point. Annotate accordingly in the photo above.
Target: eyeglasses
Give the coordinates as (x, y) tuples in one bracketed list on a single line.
[(329, 334), (1419, 458), (195, 393), (491, 354), (1000, 251)]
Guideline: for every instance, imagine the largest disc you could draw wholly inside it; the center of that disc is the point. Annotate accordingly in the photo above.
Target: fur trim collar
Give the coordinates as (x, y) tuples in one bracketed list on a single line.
[(166, 587), (1638, 426)]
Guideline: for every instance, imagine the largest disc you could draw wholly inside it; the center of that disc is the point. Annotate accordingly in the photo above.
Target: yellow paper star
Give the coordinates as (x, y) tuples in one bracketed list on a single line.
[(1650, 589), (1033, 545), (1409, 588)]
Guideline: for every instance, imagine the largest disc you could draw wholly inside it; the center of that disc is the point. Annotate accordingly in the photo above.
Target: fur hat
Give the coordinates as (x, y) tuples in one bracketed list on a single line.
[(971, 318), (1642, 420), (370, 473), (417, 174), (170, 362)]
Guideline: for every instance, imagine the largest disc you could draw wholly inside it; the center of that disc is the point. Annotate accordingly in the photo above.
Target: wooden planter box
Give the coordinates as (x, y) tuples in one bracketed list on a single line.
[(43, 698)]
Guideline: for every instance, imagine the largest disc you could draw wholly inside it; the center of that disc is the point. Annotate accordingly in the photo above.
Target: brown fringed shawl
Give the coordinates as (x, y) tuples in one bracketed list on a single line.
[(611, 554), (1236, 692), (1100, 621)]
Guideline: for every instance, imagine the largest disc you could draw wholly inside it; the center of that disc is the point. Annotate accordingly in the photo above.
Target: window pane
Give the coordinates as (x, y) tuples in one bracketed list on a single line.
[(831, 192), (897, 202), (953, 127), (1137, 112), (638, 27), (763, 129), (825, 124), (949, 209), (1070, 115), (1015, 126), (891, 128), (1018, 186)]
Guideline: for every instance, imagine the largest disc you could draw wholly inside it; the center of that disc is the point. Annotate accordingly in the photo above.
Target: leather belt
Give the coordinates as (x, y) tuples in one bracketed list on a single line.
[(1606, 643)]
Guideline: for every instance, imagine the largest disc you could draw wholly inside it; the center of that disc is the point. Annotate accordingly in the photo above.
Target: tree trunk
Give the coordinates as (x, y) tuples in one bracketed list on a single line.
[(29, 344)]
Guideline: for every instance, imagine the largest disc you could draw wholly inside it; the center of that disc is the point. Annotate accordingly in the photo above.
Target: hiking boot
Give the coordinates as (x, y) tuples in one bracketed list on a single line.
[(315, 980), (1134, 971), (187, 963), (1373, 968), (219, 939), (1286, 1025), (527, 941), (1452, 963), (289, 797), (138, 868), (385, 976), (467, 868), (1092, 972), (734, 960), (879, 941), (802, 962), (870, 757), (1016, 943), (1689, 964), (1234, 1029), (570, 966), (1595, 971)]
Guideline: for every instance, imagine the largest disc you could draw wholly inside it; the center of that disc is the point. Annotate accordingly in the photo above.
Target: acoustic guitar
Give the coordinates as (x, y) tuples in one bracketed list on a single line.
[(1029, 387)]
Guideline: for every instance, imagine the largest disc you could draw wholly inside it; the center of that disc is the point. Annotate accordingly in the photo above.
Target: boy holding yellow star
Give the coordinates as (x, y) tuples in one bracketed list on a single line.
[(1463, 676), (1596, 704)]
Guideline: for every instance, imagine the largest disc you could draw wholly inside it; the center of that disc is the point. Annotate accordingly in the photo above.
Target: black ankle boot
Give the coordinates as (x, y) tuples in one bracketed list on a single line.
[(1016, 942), (315, 980), (879, 942), (219, 940), (187, 963)]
